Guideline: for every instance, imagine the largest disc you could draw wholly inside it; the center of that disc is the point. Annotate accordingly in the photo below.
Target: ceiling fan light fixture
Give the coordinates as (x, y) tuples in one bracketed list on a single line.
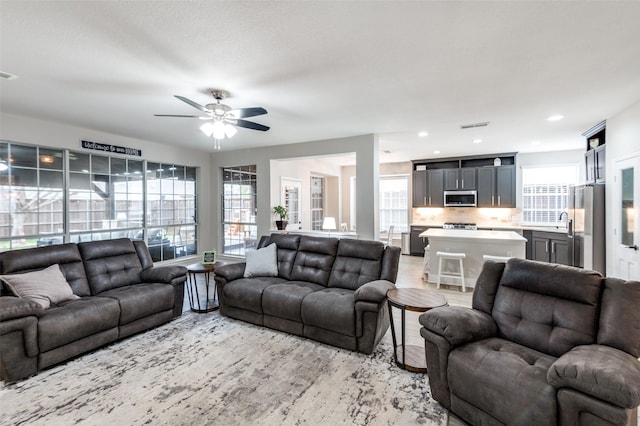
[(218, 130), (207, 128), (229, 130)]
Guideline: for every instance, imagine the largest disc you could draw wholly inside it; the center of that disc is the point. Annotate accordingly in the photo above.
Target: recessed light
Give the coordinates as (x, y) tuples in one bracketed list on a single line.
[(423, 134), (436, 152), (477, 140), (555, 118)]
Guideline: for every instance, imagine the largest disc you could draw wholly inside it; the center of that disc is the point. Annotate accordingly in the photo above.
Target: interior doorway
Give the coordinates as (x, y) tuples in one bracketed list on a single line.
[(626, 223), (290, 194)]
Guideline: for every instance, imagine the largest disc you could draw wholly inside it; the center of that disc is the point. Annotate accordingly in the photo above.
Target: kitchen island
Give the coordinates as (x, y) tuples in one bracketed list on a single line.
[(474, 244)]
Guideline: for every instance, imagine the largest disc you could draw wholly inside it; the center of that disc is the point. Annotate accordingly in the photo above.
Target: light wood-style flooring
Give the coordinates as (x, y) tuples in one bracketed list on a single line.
[(410, 276)]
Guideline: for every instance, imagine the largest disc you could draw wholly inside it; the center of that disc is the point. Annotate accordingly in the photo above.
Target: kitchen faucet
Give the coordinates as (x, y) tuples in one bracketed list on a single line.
[(566, 216)]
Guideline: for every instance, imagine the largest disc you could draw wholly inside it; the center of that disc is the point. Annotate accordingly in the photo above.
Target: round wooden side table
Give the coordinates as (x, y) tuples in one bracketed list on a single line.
[(196, 303), (411, 357)]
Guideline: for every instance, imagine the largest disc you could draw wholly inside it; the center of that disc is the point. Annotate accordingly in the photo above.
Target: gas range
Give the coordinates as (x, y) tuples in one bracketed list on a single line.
[(453, 225)]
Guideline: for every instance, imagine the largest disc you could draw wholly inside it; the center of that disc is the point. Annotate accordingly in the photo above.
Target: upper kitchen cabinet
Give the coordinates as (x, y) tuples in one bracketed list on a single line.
[(497, 187), (428, 188), (492, 176), (595, 154), (461, 178)]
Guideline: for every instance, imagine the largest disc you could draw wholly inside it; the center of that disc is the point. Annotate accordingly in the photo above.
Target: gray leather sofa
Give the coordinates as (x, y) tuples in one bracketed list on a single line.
[(329, 290), (119, 292), (544, 344)]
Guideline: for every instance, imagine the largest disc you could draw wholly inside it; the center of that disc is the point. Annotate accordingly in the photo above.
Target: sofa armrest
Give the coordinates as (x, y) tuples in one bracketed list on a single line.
[(373, 291), (163, 274), (459, 325), (600, 371), (15, 307), (231, 271)]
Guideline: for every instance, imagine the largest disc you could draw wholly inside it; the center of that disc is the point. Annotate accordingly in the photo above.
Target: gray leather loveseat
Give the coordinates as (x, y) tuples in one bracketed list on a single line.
[(329, 290), (115, 291), (544, 344)]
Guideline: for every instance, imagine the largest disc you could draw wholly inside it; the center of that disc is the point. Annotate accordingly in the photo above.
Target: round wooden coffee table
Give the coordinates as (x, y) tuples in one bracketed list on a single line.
[(196, 303), (411, 357)]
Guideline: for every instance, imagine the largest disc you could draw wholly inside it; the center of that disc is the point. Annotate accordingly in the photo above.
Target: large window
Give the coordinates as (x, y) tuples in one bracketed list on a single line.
[(239, 228), (394, 203), (317, 202), (545, 193), (96, 197), (31, 194)]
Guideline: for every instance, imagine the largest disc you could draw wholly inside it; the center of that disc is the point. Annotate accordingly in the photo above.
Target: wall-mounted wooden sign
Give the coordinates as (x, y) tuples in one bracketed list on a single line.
[(111, 148)]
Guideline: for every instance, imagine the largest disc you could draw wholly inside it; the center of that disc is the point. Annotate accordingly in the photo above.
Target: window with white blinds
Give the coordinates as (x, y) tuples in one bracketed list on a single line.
[(545, 193)]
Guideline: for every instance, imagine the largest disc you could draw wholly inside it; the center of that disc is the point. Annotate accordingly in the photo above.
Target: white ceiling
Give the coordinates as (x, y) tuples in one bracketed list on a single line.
[(327, 69)]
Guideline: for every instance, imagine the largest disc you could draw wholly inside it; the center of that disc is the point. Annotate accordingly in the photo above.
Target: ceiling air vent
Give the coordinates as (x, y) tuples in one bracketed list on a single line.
[(474, 125)]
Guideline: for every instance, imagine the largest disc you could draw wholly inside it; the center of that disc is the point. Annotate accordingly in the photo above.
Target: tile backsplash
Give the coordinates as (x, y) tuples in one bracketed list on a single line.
[(480, 216)]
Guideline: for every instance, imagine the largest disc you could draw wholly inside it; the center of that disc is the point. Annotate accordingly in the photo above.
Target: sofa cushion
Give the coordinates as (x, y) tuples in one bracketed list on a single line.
[(285, 300), (141, 300), (505, 380), (314, 259), (606, 373), (287, 250), (110, 264), (548, 307), (620, 316), (331, 309), (45, 287), (76, 319), (262, 262), (357, 262), (246, 293), (65, 255)]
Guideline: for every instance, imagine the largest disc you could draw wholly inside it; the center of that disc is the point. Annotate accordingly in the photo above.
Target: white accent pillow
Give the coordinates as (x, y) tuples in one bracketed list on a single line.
[(262, 262), (45, 287)]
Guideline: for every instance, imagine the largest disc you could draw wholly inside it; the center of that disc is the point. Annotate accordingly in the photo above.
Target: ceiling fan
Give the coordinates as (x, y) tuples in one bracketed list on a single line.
[(220, 119)]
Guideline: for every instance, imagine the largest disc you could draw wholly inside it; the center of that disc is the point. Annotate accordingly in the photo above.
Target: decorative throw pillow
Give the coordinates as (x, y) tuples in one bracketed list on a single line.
[(45, 287), (262, 262)]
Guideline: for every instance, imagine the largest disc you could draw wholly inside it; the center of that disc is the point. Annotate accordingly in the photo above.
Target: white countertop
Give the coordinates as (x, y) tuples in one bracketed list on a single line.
[(473, 235), (556, 229)]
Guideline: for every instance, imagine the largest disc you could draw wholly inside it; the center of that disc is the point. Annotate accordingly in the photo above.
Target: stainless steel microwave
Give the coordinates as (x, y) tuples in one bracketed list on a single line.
[(460, 198)]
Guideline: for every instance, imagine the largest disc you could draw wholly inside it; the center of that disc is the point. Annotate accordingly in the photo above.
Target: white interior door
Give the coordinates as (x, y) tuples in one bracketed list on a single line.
[(626, 218), (290, 194)]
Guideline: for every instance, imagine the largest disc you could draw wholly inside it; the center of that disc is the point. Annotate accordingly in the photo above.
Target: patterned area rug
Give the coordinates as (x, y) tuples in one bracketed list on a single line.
[(210, 369)]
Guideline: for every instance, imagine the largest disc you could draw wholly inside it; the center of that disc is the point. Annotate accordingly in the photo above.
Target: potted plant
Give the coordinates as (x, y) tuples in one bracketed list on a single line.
[(281, 212)]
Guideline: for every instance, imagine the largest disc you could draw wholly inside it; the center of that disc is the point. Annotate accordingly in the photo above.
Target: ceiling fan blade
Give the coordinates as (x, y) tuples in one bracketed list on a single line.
[(248, 112), (193, 104), (174, 115), (247, 124)]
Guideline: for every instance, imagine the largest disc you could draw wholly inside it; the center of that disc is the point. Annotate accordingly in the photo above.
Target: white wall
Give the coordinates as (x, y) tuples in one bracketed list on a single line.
[(365, 147), (46, 133), (623, 141)]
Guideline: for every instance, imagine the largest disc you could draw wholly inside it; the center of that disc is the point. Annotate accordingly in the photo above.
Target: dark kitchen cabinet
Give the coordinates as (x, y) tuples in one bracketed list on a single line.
[(460, 179), (496, 186), (419, 188), (428, 188), (417, 243), (595, 164), (549, 247)]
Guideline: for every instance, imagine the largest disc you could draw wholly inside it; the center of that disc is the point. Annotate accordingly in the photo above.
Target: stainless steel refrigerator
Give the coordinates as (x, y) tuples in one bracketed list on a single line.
[(586, 227)]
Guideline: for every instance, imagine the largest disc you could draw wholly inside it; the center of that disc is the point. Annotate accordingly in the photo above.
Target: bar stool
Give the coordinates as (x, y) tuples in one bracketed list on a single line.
[(502, 259), (451, 256)]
